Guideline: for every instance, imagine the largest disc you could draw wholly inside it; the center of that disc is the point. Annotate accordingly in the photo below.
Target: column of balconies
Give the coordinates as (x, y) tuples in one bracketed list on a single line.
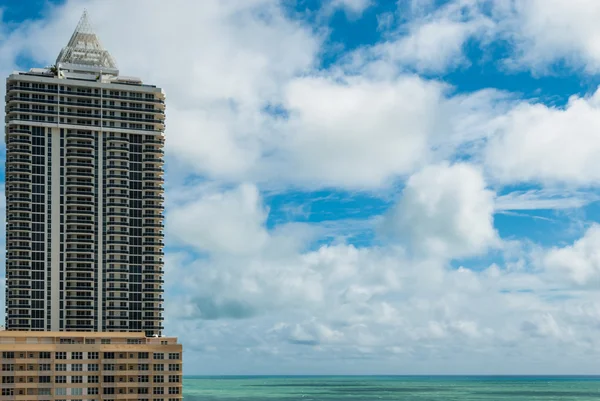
[(117, 230), (153, 225), (80, 225), (18, 233)]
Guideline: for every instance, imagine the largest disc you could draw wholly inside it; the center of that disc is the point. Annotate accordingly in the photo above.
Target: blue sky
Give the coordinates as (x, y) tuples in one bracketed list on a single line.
[(363, 186)]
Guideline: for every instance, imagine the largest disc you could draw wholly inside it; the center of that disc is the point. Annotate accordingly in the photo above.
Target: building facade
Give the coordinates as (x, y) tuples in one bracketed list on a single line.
[(84, 195), (89, 366)]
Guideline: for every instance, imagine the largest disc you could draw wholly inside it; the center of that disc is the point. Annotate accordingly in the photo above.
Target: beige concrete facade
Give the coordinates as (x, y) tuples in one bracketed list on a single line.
[(86, 366)]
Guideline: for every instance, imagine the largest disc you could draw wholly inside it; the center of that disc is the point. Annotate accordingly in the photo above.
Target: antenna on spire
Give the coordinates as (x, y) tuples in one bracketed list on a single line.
[(84, 52)]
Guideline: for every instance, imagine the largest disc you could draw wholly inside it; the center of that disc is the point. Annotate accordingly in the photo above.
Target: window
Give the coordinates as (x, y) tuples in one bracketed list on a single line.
[(108, 379), (44, 379), (143, 355), (77, 367), (143, 379), (8, 355), (92, 390), (44, 367), (109, 355), (76, 379), (108, 390), (92, 355), (92, 379), (8, 391), (159, 368), (8, 367), (159, 390), (44, 391), (61, 367), (173, 378), (8, 379), (76, 355), (61, 379), (159, 379), (61, 355), (90, 341), (93, 367), (143, 366), (44, 355), (159, 355), (173, 390), (76, 391), (174, 355), (108, 366), (173, 367)]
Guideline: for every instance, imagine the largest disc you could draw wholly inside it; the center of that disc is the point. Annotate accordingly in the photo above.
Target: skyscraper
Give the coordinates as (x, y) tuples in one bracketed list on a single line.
[(84, 195)]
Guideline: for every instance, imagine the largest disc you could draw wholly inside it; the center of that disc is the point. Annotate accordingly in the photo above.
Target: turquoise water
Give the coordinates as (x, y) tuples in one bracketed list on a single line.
[(391, 388)]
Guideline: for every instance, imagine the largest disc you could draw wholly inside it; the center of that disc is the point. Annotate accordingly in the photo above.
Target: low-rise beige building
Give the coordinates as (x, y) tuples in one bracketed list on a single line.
[(87, 366)]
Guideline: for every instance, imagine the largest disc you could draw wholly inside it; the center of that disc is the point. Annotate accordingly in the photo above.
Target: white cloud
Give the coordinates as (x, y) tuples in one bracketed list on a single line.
[(540, 34), (580, 262), (537, 143), (344, 130), (432, 46), (292, 307), (428, 40), (230, 222), (544, 199), (545, 32), (446, 210), (420, 311), (354, 7), (356, 133)]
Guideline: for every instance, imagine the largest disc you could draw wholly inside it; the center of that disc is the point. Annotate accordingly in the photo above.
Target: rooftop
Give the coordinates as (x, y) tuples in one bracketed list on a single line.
[(85, 53), (89, 334), (71, 334)]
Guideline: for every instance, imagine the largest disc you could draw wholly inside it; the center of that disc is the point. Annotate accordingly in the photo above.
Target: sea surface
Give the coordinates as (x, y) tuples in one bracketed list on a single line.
[(388, 388)]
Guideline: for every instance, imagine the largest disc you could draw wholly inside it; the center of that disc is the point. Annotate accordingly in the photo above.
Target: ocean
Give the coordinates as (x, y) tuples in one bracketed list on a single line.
[(390, 388)]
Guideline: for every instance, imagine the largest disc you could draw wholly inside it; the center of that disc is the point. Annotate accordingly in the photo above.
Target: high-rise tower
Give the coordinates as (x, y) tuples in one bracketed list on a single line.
[(84, 195)]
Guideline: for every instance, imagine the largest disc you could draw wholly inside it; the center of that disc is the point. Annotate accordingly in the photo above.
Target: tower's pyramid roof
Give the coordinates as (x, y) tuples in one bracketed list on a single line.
[(85, 50)]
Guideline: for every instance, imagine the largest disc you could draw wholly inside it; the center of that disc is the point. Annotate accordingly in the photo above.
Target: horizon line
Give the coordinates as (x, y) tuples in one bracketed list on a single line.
[(386, 375)]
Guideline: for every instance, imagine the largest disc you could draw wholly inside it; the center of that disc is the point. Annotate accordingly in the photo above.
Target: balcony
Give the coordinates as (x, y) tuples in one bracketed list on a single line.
[(80, 164), (78, 154), (117, 157), (18, 140), (80, 173), (79, 135)]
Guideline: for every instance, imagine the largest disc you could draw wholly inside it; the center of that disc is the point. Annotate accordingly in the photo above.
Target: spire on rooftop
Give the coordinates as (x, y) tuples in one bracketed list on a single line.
[(85, 52)]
